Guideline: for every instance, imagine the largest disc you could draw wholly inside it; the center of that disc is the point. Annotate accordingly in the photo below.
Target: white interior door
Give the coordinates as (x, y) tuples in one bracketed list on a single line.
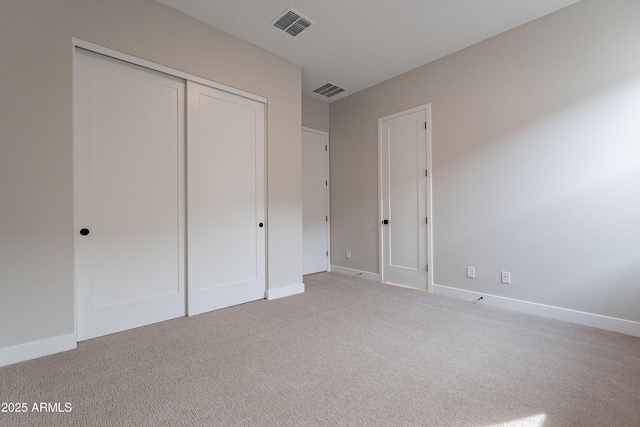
[(315, 214), (128, 195), (226, 186), (404, 196)]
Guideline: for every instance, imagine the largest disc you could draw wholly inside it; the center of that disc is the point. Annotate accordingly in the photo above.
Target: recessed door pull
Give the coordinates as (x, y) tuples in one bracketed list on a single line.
[(386, 221), (84, 232)]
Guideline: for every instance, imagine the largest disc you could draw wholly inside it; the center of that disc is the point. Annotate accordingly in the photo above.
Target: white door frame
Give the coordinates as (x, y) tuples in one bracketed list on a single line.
[(326, 135), (427, 109)]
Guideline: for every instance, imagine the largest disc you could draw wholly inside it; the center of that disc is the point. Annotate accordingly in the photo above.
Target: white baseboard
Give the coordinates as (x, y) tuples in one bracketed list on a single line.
[(35, 349), (285, 291), (623, 326), (352, 272)]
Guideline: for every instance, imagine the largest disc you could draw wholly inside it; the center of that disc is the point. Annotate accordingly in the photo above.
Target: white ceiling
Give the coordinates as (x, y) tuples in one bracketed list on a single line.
[(358, 43)]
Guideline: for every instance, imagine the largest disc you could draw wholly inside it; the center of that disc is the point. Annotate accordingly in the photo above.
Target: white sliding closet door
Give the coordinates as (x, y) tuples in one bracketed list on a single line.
[(225, 191), (128, 195)]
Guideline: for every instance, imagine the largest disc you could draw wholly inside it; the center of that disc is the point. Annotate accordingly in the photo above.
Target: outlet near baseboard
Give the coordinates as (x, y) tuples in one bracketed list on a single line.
[(471, 272), (505, 277)]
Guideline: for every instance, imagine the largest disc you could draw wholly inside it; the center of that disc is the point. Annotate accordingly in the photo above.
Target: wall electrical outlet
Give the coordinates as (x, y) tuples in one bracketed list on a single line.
[(505, 277), (471, 272), (348, 253)]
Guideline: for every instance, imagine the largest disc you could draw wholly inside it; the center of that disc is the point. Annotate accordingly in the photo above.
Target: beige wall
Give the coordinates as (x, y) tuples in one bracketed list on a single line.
[(315, 114), (36, 187), (536, 162)]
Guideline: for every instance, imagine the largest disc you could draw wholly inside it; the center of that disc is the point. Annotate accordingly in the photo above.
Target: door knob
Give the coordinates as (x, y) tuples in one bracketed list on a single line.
[(386, 221), (261, 225), (84, 231)]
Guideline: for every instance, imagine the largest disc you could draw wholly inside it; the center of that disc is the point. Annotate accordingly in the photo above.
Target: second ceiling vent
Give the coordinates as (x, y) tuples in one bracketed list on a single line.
[(329, 90), (292, 22)]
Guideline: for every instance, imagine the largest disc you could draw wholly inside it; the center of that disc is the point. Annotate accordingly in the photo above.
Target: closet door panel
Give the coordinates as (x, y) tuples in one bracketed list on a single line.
[(226, 220), (128, 178)]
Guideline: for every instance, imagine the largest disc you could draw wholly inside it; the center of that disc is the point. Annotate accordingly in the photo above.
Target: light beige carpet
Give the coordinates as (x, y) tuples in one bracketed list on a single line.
[(347, 352)]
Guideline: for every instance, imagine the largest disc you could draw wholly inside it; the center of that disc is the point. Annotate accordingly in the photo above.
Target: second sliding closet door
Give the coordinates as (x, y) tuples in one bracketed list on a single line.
[(225, 199)]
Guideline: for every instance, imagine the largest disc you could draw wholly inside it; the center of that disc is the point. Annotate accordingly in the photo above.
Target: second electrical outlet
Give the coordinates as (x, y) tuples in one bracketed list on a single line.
[(471, 272)]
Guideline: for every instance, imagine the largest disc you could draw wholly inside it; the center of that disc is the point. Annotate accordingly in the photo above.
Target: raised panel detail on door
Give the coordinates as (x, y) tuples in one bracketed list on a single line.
[(128, 178), (404, 198), (314, 202), (226, 218)]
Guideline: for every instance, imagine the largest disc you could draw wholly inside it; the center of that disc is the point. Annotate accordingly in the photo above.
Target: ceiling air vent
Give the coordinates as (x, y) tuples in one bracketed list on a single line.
[(292, 22), (328, 90)]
